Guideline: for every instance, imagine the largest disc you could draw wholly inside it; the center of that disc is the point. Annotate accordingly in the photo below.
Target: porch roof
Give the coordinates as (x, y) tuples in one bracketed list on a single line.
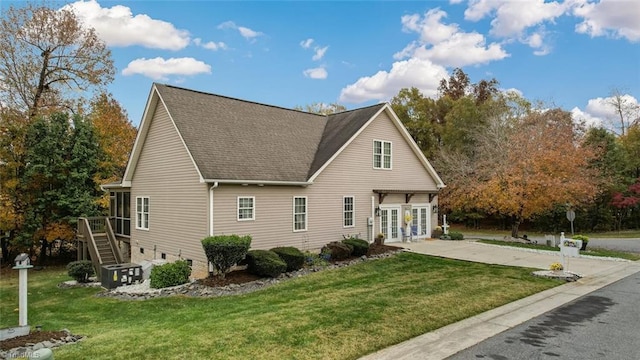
[(382, 193)]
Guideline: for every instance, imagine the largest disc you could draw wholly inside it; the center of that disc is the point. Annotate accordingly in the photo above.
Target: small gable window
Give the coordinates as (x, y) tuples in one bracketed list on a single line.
[(246, 208), (142, 212), (300, 213), (347, 211), (381, 154)]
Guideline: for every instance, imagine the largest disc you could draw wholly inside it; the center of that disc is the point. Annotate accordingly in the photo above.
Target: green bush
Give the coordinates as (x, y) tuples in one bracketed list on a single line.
[(314, 260), (584, 238), (80, 270), (360, 247), (455, 235), (293, 257), (265, 263), (171, 274), (337, 250), (224, 251)]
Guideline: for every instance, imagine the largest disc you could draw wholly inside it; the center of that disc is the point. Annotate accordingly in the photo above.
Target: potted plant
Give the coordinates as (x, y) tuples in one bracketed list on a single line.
[(379, 240), (585, 241), (437, 232)]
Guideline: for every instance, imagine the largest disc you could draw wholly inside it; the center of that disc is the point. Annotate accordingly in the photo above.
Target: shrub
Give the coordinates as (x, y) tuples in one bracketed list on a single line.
[(338, 250), (80, 270), (224, 251), (360, 247), (315, 259), (171, 274), (584, 238), (437, 232), (265, 263), (293, 257), (455, 235), (556, 266)]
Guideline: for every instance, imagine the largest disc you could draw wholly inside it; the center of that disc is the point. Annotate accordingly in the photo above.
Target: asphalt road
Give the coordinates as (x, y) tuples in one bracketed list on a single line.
[(604, 324), (630, 245)]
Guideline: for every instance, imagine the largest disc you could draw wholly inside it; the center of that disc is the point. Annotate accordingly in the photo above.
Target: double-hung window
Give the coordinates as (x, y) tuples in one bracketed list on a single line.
[(300, 213), (348, 205), (246, 208), (381, 154), (142, 212)]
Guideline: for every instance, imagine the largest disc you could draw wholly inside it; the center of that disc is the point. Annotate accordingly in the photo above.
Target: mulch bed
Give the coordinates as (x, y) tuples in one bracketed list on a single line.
[(243, 276), (33, 338)]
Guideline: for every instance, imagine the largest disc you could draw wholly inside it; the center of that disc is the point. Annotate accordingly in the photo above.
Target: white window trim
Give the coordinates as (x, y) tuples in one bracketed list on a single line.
[(382, 167), (253, 212), (141, 212), (306, 213), (353, 212)]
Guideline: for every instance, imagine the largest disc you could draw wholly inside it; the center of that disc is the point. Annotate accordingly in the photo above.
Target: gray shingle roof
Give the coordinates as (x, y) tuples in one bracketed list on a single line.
[(233, 139)]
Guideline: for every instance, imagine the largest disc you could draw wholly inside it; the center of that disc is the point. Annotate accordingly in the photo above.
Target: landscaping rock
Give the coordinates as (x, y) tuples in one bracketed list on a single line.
[(193, 289)]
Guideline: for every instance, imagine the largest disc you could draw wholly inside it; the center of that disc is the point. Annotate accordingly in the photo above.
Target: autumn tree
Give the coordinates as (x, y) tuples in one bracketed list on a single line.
[(524, 167), (626, 110), (49, 60), (115, 135)]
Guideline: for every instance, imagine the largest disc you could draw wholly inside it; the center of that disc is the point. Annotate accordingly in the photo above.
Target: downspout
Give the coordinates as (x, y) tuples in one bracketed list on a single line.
[(215, 185)]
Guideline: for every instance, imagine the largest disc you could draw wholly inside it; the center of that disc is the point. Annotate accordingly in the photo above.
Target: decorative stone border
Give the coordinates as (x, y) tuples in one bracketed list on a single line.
[(194, 289), (30, 348)]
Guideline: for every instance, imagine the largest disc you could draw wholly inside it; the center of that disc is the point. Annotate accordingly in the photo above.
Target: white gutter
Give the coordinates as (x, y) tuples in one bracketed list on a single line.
[(215, 185), (259, 182)]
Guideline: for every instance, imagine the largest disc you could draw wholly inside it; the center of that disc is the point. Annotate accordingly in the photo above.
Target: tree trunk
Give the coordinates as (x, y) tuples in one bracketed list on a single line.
[(43, 251), (4, 244), (515, 224)]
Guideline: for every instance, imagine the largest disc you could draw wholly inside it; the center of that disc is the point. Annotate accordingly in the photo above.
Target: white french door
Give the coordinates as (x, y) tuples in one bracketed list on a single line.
[(421, 222), (390, 223)]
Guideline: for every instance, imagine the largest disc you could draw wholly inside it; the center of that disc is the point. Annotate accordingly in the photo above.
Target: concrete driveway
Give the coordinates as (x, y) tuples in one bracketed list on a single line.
[(449, 340)]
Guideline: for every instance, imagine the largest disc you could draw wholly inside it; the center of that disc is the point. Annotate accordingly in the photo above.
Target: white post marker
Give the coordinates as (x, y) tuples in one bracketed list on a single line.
[(445, 226), (23, 263)]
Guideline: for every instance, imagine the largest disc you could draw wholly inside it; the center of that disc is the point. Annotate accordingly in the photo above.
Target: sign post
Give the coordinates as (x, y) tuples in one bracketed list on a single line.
[(571, 215)]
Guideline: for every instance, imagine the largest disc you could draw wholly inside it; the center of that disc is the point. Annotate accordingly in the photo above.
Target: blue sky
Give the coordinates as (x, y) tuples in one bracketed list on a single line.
[(570, 54)]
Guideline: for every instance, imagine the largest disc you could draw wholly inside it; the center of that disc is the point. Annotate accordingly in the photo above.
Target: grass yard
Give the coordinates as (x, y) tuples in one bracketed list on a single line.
[(335, 314), (589, 251)]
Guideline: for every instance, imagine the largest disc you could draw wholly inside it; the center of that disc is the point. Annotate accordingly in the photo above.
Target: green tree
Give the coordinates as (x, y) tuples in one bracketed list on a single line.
[(61, 158)]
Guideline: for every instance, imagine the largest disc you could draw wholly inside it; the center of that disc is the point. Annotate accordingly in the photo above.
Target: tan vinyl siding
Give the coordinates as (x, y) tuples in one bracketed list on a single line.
[(178, 201), (351, 174)]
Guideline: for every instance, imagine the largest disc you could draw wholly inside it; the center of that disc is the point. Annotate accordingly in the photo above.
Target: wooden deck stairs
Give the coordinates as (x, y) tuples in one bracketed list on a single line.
[(97, 241)]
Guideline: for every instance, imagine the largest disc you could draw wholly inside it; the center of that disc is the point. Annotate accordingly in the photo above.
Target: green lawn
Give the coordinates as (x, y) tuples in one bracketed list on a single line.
[(334, 314), (589, 251)]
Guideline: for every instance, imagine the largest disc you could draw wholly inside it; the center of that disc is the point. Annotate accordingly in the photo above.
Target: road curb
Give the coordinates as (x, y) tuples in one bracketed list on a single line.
[(453, 338)]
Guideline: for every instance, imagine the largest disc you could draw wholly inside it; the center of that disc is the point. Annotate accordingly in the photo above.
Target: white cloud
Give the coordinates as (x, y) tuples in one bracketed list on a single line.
[(117, 26), (319, 53), (601, 112), (210, 45), (609, 18), (316, 73), (589, 120), (513, 19), (462, 49), (446, 44), (306, 43), (419, 73), (159, 68), (245, 32)]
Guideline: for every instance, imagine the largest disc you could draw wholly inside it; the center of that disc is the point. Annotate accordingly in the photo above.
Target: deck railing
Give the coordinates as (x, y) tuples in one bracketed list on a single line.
[(87, 227)]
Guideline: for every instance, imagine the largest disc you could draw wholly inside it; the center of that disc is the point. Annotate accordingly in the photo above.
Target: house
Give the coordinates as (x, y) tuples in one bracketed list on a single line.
[(205, 164)]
